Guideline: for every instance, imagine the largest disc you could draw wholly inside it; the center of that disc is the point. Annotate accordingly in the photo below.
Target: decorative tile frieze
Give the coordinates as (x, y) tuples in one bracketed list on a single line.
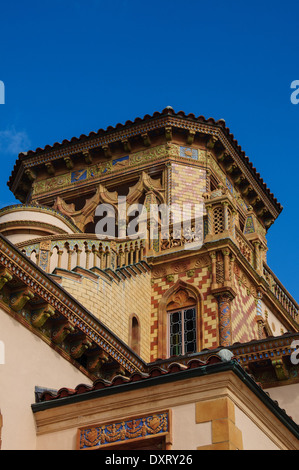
[(124, 431)]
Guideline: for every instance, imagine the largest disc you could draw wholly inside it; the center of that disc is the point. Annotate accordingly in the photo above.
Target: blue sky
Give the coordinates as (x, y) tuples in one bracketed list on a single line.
[(72, 67)]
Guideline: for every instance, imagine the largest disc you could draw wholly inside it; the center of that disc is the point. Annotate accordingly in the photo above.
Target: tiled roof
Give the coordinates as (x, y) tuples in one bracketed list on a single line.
[(155, 371), (173, 371)]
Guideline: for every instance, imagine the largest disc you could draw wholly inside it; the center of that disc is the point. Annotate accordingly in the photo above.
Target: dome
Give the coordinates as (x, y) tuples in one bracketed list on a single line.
[(22, 222)]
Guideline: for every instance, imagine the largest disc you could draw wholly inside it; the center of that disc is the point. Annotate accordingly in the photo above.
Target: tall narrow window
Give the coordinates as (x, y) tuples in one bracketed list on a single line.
[(182, 331), (135, 335), (179, 321)]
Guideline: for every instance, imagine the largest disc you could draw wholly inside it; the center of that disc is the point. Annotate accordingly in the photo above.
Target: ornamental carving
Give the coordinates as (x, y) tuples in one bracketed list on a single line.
[(181, 298), (123, 431), (202, 262)]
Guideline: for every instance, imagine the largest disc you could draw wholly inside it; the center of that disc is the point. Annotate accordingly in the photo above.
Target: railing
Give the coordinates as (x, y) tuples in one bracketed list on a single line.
[(67, 252), (281, 294)]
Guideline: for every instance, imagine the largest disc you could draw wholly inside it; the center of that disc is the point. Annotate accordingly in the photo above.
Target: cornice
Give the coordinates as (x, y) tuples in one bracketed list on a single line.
[(44, 288), (167, 119)]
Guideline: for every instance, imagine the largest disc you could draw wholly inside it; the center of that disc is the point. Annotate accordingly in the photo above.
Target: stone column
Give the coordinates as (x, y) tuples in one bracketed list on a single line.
[(226, 265), (224, 311), (210, 219), (214, 279), (225, 216), (257, 254)]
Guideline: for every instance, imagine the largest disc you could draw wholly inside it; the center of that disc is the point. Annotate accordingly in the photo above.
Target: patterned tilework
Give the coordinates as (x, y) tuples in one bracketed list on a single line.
[(189, 152), (187, 185), (202, 281), (244, 326)]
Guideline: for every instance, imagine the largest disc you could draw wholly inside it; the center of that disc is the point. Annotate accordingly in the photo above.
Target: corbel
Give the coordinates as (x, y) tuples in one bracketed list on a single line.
[(190, 137), (212, 141), (40, 316), (146, 139), (280, 369), (223, 155), (79, 346), (268, 222), (69, 163), (254, 200), (61, 330), (19, 300), (31, 175), (126, 145), (120, 370), (263, 211), (246, 190), (95, 360), (87, 156), (238, 179), (168, 133), (5, 277), (50, 168), (107, 150), (231, 168)]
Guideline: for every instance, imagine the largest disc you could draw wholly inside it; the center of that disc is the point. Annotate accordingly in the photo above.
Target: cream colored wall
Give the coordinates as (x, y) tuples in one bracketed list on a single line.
[(187, 434), (114, 303), (254, 438), (29, 362), (20, 237), (288, 398), (276, 326)]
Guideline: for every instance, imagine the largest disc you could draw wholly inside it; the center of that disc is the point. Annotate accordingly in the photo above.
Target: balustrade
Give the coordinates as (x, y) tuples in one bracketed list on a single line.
[(67, 253), (281, 294)]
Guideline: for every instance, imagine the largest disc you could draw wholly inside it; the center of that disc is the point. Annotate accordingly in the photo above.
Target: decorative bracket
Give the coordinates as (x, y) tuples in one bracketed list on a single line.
[(79, 346), (61, 331), (40, 316), (5, 277), (69, 163), (19, 300)]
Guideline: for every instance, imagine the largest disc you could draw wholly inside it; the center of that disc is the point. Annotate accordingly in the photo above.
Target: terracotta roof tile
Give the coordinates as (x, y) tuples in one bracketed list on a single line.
[(155, 371)]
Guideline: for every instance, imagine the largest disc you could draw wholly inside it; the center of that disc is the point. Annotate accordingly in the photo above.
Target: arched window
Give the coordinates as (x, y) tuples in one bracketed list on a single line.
[(179, 321), (134, 335)]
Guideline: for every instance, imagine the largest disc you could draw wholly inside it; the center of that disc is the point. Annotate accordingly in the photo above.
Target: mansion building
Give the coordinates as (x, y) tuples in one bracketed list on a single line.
[(161, 343)]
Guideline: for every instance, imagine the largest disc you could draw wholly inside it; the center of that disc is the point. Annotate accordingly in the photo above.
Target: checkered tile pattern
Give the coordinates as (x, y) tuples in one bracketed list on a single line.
[(187, 184), (243, 313), (202, 281)]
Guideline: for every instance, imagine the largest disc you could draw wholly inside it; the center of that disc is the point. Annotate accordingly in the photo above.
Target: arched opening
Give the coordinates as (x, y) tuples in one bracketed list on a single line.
[(179, 321), (134, 337)]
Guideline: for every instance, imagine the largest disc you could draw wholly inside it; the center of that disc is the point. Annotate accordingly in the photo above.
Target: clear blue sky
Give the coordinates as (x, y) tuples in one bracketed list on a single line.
[(72, 67)]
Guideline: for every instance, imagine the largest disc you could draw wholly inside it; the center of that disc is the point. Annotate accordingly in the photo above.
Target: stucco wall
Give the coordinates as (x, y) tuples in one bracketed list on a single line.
[(29, 362)]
